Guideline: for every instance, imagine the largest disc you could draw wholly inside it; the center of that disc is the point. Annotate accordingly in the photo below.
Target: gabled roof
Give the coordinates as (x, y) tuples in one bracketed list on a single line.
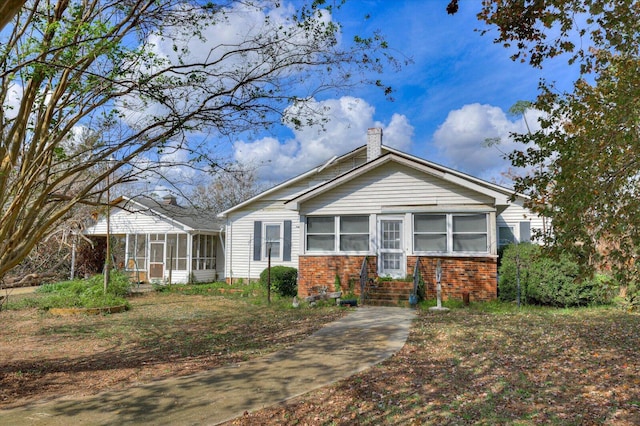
[(188, 218), (499, 193), (501, 197), (293, 180)]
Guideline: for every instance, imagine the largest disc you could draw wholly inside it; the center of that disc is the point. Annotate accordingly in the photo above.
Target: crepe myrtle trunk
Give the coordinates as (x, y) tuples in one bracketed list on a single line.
[(8, 9)]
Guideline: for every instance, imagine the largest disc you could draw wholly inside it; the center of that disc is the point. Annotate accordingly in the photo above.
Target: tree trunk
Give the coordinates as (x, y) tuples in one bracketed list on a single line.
[(8, 9)]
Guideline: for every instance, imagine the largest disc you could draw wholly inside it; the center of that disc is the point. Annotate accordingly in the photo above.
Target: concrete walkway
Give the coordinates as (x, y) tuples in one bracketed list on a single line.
[(354, 343)]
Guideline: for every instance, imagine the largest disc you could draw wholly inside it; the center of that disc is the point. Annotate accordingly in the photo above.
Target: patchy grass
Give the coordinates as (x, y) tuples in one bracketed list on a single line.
[(487, 364), (164, 334), (490, 364)]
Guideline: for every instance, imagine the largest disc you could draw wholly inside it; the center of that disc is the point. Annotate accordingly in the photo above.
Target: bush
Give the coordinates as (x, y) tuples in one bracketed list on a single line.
[(548, 281), (284, 280), (85, 293), (523, 254)]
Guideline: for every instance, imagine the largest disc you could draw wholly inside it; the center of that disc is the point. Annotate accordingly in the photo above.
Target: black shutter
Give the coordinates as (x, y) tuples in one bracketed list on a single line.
[(286, 249), (525, 232), (257, 240)]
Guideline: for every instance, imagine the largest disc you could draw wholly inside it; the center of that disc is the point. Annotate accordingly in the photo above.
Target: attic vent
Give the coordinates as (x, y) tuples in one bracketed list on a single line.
[(169, 200), (374, 143)]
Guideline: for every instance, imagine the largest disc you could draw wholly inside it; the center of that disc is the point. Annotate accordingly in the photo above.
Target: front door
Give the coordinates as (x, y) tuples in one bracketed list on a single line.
[(156, 260), (391, 260)]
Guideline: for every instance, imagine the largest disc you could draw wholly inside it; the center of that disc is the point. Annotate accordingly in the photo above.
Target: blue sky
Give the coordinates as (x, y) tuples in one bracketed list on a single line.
[(455, 94), (448, 101)]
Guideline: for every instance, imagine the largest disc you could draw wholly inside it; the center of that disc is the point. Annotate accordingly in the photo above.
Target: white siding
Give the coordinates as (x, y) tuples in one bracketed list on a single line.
[(126, 222), (393, 185), (516, 213), (239, 261), (326, 174)]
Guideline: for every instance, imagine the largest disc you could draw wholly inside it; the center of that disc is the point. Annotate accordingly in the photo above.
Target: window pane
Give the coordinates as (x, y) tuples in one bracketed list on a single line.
[(156, 252), (182, 245), (321, 243), (203, 246), (275, 249), (430, 242), (354, 242), (354, 224), (470, 242), (391, 234), (505, 235), (320, 225), (212, 247), (470, 223), (171, 253), (141, 246), (430, 223), (391, 261), (272, 233)]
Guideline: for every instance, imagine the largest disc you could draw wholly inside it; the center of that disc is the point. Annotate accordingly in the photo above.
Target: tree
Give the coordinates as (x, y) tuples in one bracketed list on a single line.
[(131, 76), (228, 187), (585, 170)]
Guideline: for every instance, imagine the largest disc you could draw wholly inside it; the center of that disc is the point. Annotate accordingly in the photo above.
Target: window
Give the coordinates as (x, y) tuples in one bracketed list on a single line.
[(470, 232), (321, 234), (430, 232), (450, 233), (273, 240), (505, 236), (203, 252), (343, 233), (176, 253), (354, 233), (136, 251)]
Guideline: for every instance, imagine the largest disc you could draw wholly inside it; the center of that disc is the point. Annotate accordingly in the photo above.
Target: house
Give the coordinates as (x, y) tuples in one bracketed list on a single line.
[(164, 241), (378, 210)]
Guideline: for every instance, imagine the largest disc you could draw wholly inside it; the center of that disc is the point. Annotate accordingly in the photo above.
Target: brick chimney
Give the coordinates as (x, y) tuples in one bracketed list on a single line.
[(170, 200), (374, 143)]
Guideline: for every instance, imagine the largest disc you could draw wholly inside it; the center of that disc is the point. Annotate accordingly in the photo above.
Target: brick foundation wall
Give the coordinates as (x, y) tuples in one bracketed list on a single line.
[(320, 271), (476, 275)]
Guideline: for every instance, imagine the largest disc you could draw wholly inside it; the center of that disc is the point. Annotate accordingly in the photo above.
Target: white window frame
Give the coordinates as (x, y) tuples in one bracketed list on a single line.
[(134, 251), (340, 234), (178, 256), (307, 234), (445, 232), (199, 261), (451, 235), (265, 241), (337, 235)]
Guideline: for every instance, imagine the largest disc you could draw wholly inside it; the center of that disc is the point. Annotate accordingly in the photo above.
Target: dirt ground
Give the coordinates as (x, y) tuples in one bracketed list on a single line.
[(529, 367), (164, 335)]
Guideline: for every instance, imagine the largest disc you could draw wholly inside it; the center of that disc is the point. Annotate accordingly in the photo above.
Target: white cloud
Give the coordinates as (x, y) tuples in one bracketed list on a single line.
[(12, 102), (462, 139), (346, 129), (235, 48)]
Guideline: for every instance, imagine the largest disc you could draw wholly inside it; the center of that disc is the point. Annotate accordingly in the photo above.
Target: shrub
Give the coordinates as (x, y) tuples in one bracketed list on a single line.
[(283, 280), (523, 254), (549, 281), (85, 293)]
